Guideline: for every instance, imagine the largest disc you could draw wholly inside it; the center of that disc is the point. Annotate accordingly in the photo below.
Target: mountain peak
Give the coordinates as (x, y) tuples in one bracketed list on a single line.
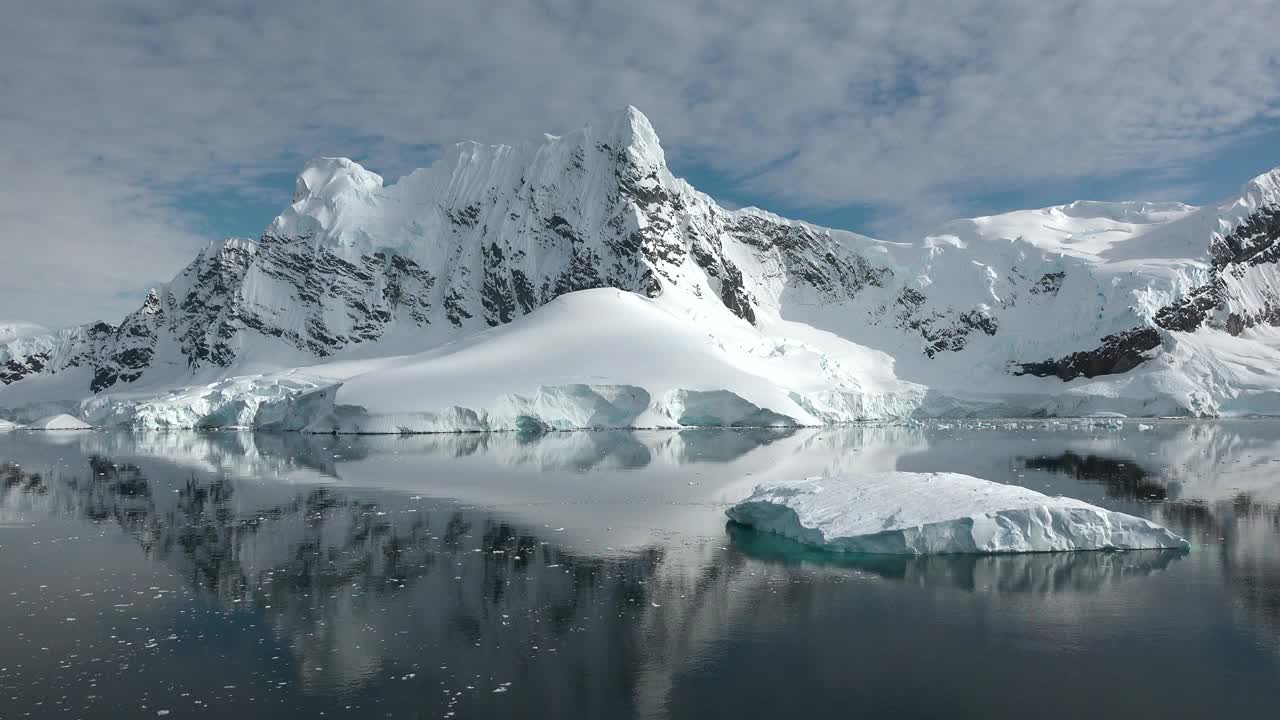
[(629, 124), (332, 176), (1265, 188), (631, 129)]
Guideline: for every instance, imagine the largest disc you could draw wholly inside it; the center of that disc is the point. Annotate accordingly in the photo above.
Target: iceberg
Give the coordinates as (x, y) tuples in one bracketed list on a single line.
[(7, 425), (60, 422), (905, 513), (995, 574)]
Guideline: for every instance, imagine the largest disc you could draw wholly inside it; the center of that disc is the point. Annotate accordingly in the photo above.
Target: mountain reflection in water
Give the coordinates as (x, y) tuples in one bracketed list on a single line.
[(594, 572)]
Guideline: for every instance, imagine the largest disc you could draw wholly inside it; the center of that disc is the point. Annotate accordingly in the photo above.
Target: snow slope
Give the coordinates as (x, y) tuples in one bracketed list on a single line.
[(901, 513), (418, 305), (60, 422), (602, 358)]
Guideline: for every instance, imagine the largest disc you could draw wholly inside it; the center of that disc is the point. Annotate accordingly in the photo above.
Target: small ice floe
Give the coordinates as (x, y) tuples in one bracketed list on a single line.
[(904, 513)]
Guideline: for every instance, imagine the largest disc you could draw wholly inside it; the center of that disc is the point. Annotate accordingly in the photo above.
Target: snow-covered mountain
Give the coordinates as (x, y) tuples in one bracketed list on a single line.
[(575, 282)]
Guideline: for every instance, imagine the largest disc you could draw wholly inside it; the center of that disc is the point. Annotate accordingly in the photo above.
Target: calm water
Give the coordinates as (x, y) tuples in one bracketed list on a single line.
[(592, 575)]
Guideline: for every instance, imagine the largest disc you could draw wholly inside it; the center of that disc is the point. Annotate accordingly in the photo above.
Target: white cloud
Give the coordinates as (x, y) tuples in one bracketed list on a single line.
[(75, 248), (908, 106)]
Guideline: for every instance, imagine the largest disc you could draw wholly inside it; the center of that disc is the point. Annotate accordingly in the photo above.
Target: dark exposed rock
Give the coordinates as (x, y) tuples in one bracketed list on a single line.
[(15, 370), (497, 294), (465, 217), (1118, 353), (813, 258), (645, 189), (1253, 242), (455, 308), (525, 294), (1256, 241), (1049, 283), (1192, 310), (582, 274), (979, 320), (734, 295), (558, 225), (941, 331), (85, 343), (205, 312), (910, 298)]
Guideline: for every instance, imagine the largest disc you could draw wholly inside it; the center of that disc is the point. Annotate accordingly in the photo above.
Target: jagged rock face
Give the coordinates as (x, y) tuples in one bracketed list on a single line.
[(17, 368), (54, 352), (1118, 353), (811, 257), (319, 302), (1242, 290)]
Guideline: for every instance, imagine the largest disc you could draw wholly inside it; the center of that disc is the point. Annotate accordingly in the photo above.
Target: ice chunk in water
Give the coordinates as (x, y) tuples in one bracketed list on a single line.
[(925, 513)]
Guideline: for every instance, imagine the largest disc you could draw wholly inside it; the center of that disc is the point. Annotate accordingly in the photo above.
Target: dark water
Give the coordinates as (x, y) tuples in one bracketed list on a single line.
[(592, 575)]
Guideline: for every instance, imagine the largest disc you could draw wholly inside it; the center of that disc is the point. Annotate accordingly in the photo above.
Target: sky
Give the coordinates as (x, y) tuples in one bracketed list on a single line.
[(134, 131)]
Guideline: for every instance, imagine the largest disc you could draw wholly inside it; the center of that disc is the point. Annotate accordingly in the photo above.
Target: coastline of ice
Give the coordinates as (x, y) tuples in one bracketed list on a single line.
[(904, 513)]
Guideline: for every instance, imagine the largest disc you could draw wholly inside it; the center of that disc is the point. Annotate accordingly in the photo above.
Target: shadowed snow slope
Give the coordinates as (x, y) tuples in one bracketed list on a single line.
[(631, 298), (903, 513)]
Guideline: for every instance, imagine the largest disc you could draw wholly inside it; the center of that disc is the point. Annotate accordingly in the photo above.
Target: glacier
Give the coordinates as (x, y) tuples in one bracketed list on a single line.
[(575, 282), (907, 513)]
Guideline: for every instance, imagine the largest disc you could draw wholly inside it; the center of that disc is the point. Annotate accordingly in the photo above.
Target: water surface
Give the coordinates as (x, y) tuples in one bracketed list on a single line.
[(593, 575)]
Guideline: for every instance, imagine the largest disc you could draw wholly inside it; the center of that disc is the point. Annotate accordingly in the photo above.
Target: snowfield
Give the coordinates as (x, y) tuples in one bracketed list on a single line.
[(574, 282), (59, 422), (903, 513), (602, 359)]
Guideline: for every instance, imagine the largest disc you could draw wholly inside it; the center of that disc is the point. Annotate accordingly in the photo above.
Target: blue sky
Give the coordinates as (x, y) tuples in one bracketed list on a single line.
[(137, 130)]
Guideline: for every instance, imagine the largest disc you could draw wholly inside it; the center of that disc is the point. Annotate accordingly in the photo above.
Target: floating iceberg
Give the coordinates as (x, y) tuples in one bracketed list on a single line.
[(1034, 573), (7, 425), (902, 513), (60, 422)]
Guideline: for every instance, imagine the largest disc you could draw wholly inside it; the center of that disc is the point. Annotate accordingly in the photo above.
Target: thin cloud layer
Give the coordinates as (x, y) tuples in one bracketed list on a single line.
[(116, 114)]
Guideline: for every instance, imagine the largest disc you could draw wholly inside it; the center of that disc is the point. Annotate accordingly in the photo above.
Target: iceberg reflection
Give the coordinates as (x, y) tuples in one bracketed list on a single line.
[(1036, 573)]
